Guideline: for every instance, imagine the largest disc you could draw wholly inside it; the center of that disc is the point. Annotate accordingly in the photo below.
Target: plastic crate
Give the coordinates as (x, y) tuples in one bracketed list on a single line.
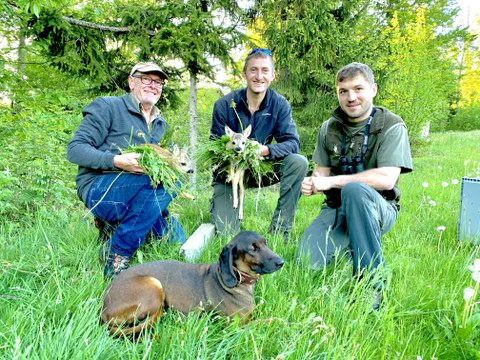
[(469, 222)]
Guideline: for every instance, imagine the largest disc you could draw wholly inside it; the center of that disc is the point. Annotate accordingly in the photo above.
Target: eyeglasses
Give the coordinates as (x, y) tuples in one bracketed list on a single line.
[(265, 51), (147, 80)]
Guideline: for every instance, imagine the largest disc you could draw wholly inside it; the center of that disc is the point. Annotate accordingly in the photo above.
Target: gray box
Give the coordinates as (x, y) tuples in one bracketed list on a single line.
[(469, 223)]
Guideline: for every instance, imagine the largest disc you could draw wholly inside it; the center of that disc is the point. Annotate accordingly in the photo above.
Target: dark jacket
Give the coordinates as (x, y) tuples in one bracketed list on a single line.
[(109, 125), (272, 121)]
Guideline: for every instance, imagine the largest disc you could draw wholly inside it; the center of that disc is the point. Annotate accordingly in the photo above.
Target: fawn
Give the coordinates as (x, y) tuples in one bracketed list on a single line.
[(177, 158), (237, 143)]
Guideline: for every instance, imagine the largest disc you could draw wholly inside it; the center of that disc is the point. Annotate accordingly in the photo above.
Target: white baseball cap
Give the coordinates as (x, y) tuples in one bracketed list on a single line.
[(147, 68)]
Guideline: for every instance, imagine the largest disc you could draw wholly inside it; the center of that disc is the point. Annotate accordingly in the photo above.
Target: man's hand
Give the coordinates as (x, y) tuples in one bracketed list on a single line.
[(307, 186), (128, 162), (262, 149), (315, 185)]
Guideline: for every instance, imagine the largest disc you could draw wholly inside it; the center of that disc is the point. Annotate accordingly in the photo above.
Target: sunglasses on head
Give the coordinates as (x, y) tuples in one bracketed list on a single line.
[(265, 51)]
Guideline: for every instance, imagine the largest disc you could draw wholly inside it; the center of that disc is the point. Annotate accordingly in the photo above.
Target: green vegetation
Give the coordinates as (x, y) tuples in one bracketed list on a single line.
[(51, 281), (52, 65)]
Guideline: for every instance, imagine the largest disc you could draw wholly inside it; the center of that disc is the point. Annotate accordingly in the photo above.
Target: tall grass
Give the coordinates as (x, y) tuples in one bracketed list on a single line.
[(51, 283)]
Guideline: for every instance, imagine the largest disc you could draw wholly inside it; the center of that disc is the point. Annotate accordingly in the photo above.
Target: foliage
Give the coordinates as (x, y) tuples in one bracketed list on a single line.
[(51, 284), (417, 86), (34, 172), (104, 47), (214, 156), (160, 165), (408, 45), (464, 119)]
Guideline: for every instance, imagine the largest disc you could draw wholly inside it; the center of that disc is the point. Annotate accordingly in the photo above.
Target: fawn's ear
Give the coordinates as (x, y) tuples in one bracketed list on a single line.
[(247, 131), (228, 131), (176, 150)]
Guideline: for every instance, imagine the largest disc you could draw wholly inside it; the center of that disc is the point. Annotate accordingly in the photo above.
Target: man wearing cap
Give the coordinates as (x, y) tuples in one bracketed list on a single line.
[(270, 116), (112, 184)]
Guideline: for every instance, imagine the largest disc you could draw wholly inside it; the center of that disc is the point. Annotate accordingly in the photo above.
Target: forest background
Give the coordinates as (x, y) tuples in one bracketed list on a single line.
[(57, 56)]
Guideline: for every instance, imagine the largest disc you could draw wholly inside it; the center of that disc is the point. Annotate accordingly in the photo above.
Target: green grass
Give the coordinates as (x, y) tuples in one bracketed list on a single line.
[(51, 283)]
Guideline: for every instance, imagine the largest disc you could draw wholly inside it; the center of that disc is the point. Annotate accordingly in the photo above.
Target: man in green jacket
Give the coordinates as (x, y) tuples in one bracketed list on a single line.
[(361, 150)]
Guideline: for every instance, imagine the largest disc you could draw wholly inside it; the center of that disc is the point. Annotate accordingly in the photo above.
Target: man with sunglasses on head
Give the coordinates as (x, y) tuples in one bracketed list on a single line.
[(361, 151), (111, 183), (270, 116)]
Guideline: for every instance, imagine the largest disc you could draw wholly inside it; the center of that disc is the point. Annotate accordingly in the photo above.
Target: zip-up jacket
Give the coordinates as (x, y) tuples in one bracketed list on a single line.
[(110, 124), (272, 121)]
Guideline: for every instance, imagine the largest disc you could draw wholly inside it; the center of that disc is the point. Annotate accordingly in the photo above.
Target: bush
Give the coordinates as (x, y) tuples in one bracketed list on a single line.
[(465, 119)]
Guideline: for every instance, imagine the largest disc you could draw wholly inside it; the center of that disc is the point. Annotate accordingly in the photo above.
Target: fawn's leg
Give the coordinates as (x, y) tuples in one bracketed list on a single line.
[(241, 193), (234, 176)]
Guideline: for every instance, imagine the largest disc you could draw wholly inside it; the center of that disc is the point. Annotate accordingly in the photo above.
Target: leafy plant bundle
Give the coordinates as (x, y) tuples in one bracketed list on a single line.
[(160, 165), (214, 156)]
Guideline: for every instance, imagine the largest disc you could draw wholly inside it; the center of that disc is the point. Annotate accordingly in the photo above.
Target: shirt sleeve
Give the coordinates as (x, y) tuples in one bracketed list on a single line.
[(395, 149), (320, 155), (83, 149)]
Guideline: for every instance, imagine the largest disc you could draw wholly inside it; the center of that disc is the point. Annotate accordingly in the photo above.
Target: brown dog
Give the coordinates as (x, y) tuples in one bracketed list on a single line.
[(139, 295)]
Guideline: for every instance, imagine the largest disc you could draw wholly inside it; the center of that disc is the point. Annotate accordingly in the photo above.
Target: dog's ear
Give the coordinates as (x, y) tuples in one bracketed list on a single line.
[(226, 265)]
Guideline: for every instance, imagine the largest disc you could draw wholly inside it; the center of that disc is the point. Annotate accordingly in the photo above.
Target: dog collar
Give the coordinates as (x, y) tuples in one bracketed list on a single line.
[(247, 279)]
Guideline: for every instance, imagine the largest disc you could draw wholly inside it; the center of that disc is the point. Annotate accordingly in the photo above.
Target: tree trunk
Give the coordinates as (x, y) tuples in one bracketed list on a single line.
[(193, 122)]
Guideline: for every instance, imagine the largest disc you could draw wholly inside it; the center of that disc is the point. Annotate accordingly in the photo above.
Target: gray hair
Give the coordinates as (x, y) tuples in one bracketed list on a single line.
[(354, 69)]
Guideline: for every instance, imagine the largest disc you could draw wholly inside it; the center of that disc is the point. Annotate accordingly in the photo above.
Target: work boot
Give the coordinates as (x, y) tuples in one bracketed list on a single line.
[(105, 230), (375, 298), (114, 263), (277, 231)]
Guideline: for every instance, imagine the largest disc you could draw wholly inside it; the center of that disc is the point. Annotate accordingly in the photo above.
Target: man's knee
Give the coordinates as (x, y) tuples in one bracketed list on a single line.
[(295, 164), (356, 191)]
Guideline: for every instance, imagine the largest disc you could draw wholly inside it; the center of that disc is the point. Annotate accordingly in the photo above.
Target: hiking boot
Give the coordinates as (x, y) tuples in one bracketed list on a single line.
[(375, 298), (114, 263), (274, 232), (105, 229)]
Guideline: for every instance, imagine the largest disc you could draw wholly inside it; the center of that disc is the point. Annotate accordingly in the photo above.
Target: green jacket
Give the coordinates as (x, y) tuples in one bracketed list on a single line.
[(387, 145)]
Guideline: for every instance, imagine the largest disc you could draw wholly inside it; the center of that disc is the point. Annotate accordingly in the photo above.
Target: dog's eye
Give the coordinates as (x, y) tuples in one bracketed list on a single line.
[(254, 247)]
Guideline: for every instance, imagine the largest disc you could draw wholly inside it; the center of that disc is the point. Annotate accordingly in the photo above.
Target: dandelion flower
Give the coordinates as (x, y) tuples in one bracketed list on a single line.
[(444, 183), (454, 181), (476, 276), (433, 203), (468, 293), (476, 266), (441, 228), (425, 184)]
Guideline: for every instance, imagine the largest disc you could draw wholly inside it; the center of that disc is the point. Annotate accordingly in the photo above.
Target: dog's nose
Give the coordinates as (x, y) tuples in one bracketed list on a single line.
[(190, 171), (279, 263)]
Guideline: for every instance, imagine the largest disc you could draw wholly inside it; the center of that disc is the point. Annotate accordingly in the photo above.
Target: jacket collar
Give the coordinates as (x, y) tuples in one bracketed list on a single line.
[(241, 97), (378, 121), (135, 106)]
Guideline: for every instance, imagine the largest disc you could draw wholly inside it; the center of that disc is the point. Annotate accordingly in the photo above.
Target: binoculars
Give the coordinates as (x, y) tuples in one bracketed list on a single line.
[(351, 167)]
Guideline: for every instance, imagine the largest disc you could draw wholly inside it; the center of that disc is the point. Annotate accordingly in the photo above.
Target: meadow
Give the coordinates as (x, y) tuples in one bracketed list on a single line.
[(51, 282)]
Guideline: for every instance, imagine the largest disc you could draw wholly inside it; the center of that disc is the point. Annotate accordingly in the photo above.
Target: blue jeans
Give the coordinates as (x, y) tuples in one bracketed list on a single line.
[(137, 206)]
